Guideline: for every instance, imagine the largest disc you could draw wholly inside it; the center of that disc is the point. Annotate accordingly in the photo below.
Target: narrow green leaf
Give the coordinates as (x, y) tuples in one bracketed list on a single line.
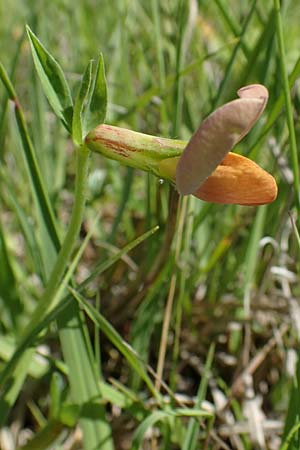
[(53, 80), (50, 294), (80, 103), (275, 111), (232, 24), (96, 109), (288, 102), (126, 191), (191, 437), (69, 414), (291, 433), (38, 365), (35, 177), (6, 97), (288, 442), (7, 83), (11, 389), (102, 266), (252, 256), (228, 72), (192, 412), (160, 55), (65, 303), (8, 286), (151, 420), (295, 229), (84, 387), (55, 394), (124, 348)]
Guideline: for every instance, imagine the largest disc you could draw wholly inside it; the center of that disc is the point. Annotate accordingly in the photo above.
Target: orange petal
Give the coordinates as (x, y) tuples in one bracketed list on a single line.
[(238, 180)]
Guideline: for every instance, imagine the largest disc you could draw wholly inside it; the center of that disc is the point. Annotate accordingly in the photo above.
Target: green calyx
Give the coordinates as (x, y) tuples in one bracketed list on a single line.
[(142, 151)]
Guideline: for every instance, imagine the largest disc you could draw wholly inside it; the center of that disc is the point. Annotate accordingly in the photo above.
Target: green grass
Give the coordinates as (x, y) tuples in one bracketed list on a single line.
[(131, 318)]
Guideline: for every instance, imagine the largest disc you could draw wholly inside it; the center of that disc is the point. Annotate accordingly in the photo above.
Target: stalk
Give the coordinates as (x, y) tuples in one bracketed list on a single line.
[(17, 370), (47, 303)]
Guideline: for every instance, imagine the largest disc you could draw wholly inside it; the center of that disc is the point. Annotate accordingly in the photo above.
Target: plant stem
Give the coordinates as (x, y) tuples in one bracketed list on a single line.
[(46, 303), (171, 294), (161, 64)]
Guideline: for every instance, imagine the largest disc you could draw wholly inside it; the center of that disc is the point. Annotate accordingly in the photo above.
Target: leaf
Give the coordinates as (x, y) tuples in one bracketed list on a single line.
[(80, 100), (69, 414), (8, 286), (53, 80), (191, 436), (151, 420), (20, 351), (123, 347), (7, 83), (96, 108), (34, 173), (192, 412), (291, 432)]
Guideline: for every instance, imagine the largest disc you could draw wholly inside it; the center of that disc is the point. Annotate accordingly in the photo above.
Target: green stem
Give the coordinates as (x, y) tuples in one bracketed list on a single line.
[(161, 64), (233, 25), (178, 97), (47, 301), (232, 60), (288, 102)]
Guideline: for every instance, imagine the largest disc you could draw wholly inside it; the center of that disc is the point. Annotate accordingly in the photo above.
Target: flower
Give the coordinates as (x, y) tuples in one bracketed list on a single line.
[(204, 166)]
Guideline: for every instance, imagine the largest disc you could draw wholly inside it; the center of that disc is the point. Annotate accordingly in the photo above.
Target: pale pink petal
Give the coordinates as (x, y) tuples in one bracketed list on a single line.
[(216, 136)]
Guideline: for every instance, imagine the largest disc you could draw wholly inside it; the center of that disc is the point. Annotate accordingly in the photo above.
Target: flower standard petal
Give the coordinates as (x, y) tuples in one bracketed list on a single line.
[(215, 137), (238, 180)]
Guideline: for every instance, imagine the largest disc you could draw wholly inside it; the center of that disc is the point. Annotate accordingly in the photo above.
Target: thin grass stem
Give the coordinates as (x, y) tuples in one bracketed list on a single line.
[(288, 101)]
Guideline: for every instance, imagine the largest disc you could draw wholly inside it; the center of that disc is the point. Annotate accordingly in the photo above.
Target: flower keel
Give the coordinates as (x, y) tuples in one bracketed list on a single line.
[(238, 180)]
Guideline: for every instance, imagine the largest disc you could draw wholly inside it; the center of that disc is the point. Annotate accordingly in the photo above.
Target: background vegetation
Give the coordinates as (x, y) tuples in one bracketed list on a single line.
[(208, 298)]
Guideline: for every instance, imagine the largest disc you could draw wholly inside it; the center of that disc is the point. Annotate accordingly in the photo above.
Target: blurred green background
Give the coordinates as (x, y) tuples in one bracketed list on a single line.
[(234, 271)]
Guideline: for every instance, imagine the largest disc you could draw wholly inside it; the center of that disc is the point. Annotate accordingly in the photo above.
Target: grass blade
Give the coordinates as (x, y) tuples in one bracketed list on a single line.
[(8, 287), (190, 442), (36, 180), (288, 102), (127, 351), (151, 420)]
